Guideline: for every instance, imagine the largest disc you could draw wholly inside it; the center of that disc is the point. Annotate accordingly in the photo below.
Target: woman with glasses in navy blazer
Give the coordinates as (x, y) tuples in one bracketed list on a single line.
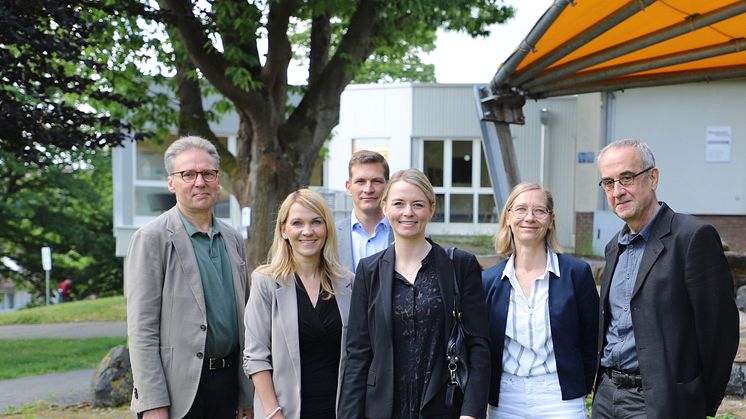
[(543, 315)]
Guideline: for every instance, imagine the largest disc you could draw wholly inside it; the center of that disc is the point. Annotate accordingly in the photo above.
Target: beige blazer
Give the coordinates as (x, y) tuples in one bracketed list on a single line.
[(166, 317), (271, 321)]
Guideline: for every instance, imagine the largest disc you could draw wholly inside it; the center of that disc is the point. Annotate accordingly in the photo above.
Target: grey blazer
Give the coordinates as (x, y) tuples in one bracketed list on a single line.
[(271, 320), (344, 240), (166, 316)]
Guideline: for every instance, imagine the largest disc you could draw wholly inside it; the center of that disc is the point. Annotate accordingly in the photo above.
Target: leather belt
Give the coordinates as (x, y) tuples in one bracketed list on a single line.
[(220, 363), (623, 379)]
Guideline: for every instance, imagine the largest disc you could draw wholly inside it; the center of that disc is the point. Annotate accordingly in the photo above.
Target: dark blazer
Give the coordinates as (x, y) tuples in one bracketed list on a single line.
[(368, 383), (683, 314), (573, 318), (344, 242)]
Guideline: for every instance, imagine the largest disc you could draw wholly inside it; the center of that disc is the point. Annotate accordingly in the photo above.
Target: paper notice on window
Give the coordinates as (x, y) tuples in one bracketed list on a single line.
[(717, 144)]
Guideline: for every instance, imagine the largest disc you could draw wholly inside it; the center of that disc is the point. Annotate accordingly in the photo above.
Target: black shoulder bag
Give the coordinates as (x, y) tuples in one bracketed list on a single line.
[(456, 351)]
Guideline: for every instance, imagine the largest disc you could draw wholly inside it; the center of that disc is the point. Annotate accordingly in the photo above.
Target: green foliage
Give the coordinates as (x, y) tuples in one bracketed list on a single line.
[(101, 309), (27, 357), (67, 206), (56, 56)]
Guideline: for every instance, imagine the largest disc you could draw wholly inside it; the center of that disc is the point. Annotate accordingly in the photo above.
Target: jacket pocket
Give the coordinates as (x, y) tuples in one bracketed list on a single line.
[(690, 398), (371, 378)]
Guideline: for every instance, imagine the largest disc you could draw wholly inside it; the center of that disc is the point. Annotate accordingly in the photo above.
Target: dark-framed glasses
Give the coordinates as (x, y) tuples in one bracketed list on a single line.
[(540, 213), (624, 180), (190, 176)]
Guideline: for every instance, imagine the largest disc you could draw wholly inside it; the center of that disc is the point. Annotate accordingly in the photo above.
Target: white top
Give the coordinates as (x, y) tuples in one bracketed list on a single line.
[(528, 336)]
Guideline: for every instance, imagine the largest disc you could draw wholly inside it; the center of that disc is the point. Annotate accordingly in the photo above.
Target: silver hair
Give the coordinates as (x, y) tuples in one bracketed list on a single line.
[(643, 150), (187, 143)]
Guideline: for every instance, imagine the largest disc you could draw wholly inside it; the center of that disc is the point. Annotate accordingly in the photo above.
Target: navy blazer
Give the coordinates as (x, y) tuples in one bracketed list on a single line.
[(368, 385), (573, 318)]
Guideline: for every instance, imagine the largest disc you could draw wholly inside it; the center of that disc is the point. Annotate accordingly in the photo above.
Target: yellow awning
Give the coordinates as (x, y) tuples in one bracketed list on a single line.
[(597, 45)]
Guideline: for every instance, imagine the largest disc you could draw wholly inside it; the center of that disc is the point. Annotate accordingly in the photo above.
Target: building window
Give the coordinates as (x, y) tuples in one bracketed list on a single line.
[(151, 196), (461, 181), (433, 161)]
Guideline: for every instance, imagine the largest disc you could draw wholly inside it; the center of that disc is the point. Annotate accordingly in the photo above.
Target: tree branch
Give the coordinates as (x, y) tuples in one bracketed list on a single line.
[(320, 42), (279, 52), (210, 61), (192, 118), (318, 112)]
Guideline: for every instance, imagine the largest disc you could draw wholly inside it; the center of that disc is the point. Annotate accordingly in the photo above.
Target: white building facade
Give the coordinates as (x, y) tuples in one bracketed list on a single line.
[(697, 131)]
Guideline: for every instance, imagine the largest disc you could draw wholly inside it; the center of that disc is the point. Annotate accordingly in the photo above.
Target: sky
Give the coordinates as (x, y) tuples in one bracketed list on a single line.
[(458, 58)]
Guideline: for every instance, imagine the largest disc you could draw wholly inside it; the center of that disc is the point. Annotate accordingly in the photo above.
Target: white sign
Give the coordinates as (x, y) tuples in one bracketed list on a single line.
[(246, 217), (46, 258), (717, 144)]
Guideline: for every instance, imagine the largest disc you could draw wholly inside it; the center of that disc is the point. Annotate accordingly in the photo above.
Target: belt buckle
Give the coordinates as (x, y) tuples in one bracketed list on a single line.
[(215, 364)]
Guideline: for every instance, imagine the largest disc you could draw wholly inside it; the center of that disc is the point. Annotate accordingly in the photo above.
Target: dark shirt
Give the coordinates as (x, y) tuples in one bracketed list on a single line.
[(418, 322), (217, 284), (620, 351), (320, 337)]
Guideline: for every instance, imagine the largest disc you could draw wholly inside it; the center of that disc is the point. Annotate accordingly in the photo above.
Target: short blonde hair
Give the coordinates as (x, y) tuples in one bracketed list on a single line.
[(504, 241), (280, 263)]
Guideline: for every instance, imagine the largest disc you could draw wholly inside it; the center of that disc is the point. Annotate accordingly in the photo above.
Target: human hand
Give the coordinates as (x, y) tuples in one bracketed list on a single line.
[(157, 413), (245, 413)]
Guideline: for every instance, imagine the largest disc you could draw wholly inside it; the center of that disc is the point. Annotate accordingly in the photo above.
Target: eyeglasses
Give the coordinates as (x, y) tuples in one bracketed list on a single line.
[(190, 176), (540, 213), (625, 180)]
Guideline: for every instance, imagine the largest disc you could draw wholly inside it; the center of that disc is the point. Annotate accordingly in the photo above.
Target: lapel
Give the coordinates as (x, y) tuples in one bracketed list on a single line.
[(386, 284), (612, 255), (446, 276), (287, 308), (345, 243), (188, 261), (237, 268), (342, 293), (654, 246)]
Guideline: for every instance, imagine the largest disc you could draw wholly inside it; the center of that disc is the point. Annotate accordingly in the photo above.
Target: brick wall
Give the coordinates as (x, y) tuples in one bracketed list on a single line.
[(732, 230)]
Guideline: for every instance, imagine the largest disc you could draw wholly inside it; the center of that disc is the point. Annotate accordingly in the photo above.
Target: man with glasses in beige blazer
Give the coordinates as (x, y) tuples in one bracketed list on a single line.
[(186, 287)]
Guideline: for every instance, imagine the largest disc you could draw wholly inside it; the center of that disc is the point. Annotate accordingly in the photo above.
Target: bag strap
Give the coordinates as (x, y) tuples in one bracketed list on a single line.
[(456, 290)]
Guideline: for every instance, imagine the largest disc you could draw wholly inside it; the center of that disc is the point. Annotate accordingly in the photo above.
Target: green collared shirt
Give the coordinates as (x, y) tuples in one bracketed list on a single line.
[(217, 285)]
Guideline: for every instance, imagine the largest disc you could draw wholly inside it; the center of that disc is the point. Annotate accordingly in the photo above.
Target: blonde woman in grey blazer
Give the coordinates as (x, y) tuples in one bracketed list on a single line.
[(296, 316)]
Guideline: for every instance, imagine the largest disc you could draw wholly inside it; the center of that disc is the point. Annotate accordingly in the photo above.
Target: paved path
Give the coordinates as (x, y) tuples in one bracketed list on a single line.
[(63, 330), (67, 388)]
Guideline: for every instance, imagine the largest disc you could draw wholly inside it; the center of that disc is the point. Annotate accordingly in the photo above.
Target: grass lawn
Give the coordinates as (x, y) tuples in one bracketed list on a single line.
[(478, 245), (26, 357), (102, 309)]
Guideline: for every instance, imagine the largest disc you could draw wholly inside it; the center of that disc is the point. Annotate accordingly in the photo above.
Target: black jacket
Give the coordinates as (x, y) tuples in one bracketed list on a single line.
[(367, 389)]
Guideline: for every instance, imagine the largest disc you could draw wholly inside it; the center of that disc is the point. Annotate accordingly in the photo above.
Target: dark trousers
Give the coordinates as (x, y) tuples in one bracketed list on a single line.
[(615, 401), (217, 395)]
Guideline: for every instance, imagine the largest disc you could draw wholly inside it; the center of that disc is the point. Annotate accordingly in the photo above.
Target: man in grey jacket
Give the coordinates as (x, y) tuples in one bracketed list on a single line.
[(186, 286), (366, 231)]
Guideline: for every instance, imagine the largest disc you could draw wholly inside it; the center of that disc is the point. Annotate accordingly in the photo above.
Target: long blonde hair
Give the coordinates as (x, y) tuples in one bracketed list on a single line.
[(280, 263), (504, 241)]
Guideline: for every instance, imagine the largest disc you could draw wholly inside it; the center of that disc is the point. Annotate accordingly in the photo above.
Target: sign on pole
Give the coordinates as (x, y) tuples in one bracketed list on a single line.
[(46, 263), (46, 258)]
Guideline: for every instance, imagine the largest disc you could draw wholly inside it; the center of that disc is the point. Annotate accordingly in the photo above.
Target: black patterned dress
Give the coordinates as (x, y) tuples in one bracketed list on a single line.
[(418, 320)]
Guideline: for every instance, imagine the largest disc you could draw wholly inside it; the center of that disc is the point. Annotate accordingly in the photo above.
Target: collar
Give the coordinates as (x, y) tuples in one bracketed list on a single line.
[(355, 223), (192, 230), (626, 237), (552, 265)]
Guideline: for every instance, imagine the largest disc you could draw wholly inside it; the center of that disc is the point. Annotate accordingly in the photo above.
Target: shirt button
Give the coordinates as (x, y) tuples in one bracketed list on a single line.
[(202, 327), (200, 355)]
